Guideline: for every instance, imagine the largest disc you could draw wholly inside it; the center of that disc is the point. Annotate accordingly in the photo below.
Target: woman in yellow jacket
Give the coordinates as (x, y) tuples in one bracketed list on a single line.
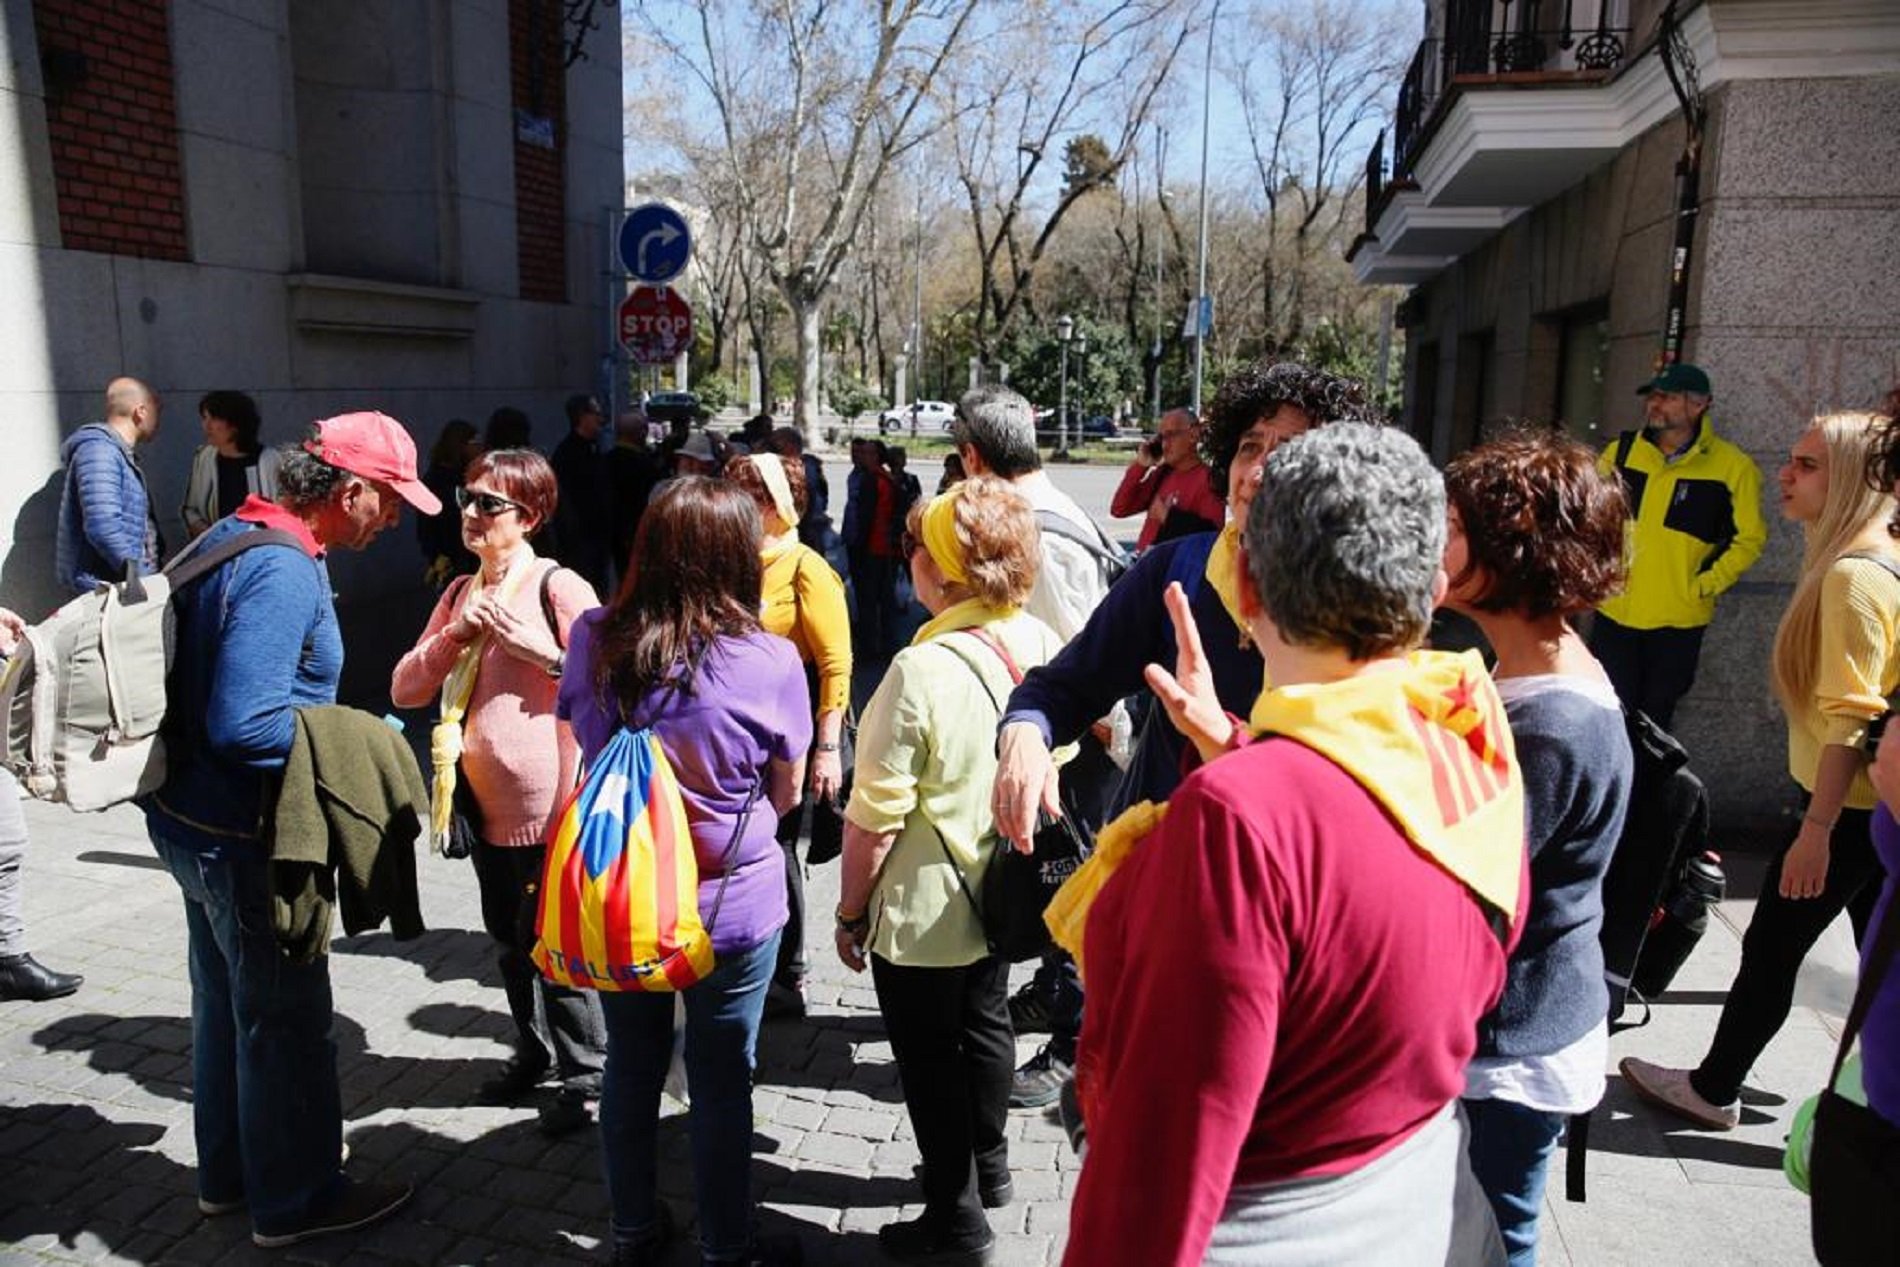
[(803, 601), (1836, 659)]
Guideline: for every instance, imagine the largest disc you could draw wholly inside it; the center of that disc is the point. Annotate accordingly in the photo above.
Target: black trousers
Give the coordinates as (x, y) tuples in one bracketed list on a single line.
[(1651, 669), (1778, 939), (949, 1028), (555, 1025)]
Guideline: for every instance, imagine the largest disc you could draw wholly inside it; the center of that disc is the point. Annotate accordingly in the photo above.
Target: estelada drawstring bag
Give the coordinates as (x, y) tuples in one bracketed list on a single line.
[(619, 901)]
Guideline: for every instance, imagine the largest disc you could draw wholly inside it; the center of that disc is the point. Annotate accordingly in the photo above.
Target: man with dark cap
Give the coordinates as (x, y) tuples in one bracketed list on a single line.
[(1695, 507)]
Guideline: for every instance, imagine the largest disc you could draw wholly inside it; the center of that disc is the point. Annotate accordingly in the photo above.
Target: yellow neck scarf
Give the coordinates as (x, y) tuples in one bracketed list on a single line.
[(961, 615), (445, 739), (1223, 573), (1427, 738)]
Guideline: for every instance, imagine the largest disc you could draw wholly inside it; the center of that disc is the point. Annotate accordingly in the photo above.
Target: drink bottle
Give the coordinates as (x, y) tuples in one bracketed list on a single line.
[(1679, 923)]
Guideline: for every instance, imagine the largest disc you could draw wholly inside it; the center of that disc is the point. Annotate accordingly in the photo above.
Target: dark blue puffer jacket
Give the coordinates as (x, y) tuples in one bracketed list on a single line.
[(105, 518)]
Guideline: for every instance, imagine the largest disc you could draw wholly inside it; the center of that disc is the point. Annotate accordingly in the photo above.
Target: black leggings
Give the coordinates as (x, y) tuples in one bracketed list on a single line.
[(1778, 939)]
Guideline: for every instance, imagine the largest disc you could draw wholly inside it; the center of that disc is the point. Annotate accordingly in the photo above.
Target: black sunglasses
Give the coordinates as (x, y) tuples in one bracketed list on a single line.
[(487, 505)]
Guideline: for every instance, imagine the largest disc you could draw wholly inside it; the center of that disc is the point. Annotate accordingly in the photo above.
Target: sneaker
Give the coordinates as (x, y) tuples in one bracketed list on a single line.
[(218, 1209), (920, 1240), (1039, 1082), (651, 1248), (515, 1080), (570, 1111), (1672, 1090), (358, 1205), (1029, 1010)]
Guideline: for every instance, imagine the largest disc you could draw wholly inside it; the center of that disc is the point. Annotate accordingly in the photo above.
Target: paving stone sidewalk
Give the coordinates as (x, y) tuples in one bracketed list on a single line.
[(96, 1152)]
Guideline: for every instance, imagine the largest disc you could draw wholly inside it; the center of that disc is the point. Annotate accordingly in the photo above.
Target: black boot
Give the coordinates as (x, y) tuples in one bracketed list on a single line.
[(24, 977)]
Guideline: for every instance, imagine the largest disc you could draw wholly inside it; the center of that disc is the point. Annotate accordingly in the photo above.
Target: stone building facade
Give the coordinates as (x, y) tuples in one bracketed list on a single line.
[(329, 204), (1533, 208)]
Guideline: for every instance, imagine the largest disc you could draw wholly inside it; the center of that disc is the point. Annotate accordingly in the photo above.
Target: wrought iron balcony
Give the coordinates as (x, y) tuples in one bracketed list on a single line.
[(1499, 42)]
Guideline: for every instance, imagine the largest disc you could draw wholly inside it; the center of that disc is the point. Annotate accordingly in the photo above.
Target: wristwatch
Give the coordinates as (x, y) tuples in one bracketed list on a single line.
[(824, 747), (857, 926), (559, 666)]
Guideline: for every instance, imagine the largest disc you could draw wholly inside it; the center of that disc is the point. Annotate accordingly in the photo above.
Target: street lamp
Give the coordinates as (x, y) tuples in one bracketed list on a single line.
[(1065, 334)]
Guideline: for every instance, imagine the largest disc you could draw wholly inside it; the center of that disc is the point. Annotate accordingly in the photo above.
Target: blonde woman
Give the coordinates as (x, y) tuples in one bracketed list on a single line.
[(803, 600), (1836, 658), (916, 844)]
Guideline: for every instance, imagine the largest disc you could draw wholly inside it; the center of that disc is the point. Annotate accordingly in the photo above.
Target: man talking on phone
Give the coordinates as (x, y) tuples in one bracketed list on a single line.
[(1168, 484)]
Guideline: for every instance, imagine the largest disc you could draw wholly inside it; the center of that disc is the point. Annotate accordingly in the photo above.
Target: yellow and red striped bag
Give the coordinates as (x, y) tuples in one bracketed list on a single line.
[(619, 903)]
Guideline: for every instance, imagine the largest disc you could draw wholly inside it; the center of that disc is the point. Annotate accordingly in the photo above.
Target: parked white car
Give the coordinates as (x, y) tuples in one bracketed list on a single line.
[(932, 415)]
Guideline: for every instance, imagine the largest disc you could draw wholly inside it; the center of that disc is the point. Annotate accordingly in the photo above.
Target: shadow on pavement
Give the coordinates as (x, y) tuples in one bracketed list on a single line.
[(143, 862), (1626, 1125), (443, 954), (819, 1052)]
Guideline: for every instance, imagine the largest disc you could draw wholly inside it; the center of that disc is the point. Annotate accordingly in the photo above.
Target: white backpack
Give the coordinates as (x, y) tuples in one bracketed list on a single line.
[(83, 696)]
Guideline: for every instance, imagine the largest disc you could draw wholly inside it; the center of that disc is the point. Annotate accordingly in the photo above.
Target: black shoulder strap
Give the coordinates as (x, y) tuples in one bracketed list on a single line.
[(547, 606), (194, 562), (1879, 963), (1049, 521), (1624, 443)]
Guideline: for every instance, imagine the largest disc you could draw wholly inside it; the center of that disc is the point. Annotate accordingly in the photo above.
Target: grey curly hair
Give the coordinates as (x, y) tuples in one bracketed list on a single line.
[(1345, 539)]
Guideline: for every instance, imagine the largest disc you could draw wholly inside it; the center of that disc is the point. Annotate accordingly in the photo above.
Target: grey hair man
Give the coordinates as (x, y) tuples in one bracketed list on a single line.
[(995, 434)]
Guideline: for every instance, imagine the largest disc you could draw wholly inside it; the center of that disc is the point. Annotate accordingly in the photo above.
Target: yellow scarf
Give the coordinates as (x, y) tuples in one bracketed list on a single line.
[(971, 611), (1223, 573), (445, 740), (1427, 738), (1067, 914)]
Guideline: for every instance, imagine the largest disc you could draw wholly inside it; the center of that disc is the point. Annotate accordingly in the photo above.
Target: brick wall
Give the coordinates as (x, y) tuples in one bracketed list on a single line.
[(112, 120), (540, 90)]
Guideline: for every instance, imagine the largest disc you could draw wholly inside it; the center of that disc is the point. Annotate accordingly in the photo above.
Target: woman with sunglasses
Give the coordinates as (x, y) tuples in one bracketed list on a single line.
[(680, 650), (492, 652), (917, 841), (803, 601)]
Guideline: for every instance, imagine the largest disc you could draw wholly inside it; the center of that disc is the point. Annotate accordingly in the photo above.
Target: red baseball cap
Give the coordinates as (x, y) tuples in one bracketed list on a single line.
[(376, 447)]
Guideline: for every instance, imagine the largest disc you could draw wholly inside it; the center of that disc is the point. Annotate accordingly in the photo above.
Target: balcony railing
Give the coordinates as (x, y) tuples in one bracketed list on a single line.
[(1504, 41)]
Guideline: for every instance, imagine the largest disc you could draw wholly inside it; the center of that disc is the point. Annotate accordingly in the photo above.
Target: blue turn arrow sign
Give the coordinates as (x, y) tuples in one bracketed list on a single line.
[(655, 243)]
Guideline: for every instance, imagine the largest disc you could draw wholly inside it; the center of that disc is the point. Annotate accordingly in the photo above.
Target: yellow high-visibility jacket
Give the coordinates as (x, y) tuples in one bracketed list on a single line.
[(1696, 525)]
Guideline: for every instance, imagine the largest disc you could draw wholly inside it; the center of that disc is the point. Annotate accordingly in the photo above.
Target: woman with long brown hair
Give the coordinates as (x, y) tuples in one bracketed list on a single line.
[(680, 650)]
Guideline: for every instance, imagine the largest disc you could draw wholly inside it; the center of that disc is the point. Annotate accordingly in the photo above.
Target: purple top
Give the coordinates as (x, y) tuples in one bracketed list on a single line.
[(1880, 1035), (749, 707)]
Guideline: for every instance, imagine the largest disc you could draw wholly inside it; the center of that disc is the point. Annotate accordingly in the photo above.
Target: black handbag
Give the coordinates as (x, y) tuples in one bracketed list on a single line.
[(465, 819), (1854, 1168), (1017, 887)]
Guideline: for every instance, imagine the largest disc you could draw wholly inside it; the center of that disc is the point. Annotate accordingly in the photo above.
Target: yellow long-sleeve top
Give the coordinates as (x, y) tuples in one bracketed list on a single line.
[(1859, 668), (804, 601)]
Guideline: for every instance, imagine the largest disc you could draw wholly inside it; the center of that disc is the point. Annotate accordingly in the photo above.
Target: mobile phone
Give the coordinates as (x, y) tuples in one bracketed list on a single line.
[(1152, 447)]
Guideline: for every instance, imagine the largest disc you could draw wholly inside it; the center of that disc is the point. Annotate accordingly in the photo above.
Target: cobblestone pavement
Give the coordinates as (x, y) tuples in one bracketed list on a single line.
[(96, 1153)]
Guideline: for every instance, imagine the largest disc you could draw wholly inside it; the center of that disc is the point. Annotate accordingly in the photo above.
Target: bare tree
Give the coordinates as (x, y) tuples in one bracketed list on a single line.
[(1095, 76), (813, 102), (1313, 78)]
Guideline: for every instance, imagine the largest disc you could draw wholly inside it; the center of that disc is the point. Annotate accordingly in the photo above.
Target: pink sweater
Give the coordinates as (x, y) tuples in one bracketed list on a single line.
[(519, 761)]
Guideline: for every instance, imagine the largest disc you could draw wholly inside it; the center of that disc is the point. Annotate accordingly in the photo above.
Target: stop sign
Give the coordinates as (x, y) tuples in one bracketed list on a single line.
[(656, 325)]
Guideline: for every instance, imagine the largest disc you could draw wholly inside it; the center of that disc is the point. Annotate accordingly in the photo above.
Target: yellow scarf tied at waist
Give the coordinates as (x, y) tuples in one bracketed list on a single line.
[(1427, 738)]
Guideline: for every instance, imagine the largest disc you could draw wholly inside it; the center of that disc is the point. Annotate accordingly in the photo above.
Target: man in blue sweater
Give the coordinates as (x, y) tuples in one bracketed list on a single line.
[(258, 640), (106, 523)]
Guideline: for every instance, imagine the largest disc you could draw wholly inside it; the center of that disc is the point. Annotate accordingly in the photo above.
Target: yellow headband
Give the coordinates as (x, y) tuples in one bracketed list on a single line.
[(771, 469), (938, 527)]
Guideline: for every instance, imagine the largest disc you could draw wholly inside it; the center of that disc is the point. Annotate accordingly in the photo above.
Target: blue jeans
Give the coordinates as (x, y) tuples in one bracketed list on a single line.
[(1510, 1153), (722, 1032), (265, 1106)]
